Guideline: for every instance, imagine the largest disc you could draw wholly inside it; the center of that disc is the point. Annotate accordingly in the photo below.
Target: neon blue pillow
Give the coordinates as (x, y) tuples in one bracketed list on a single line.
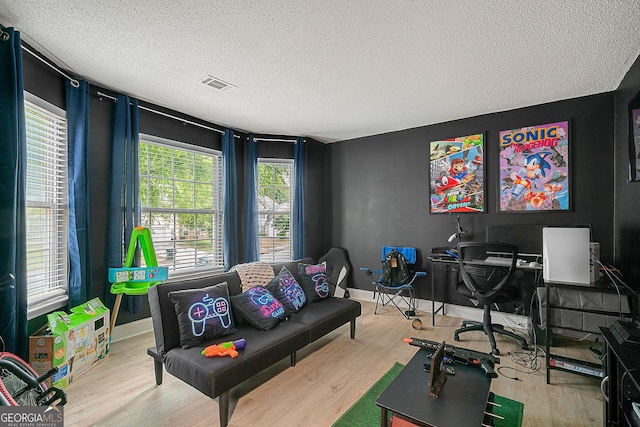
[(259, 307), (287, 290), (203, 314), (313, 279)]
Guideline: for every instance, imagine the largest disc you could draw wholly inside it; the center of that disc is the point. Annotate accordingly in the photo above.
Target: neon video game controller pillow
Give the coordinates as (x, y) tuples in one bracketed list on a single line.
[(259, 307), (203, 314), (287, 290), (313, 279)]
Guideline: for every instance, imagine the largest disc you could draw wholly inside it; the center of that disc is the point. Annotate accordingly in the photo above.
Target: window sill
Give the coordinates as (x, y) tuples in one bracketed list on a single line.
[(46, 306)]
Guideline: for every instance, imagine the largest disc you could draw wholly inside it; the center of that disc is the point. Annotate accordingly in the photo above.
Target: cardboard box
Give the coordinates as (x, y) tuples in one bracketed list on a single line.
[(73, 342), (41, 352)]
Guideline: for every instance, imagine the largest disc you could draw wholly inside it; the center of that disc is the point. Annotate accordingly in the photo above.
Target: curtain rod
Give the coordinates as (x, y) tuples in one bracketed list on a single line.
[(113, 98), (273, 140), (73, 81)]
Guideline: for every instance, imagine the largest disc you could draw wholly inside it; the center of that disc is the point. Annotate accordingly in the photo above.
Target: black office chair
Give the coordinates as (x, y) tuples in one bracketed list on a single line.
[(488, 284)]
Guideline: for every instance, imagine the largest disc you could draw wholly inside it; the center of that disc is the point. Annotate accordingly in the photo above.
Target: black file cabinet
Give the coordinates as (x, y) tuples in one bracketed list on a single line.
[(621, 385)]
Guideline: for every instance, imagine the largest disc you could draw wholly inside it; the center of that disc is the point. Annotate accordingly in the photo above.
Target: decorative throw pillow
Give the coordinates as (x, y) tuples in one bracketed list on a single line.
[(253, 273), (287, 290), (259, 307), (313, 279), (203, 314)]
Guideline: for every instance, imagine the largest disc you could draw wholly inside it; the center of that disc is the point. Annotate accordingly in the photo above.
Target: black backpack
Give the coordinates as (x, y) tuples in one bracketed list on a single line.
[(395, 270)]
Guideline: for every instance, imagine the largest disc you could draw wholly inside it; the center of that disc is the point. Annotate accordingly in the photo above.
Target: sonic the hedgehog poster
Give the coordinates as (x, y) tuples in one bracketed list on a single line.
[(456, 175), (534, 168)]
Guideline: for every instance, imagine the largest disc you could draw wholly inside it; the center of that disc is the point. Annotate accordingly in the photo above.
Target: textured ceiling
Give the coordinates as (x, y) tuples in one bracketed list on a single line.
[(335, 69)]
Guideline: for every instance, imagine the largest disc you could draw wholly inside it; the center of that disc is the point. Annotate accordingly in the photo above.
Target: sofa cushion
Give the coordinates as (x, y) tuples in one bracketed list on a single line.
[(327, 315), (287, 290), (215, 375), (259, 307), (203, 314), (313, 281)]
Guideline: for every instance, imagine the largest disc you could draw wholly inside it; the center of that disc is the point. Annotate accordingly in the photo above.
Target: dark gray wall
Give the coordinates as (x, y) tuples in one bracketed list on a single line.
[(378, 185), (627, 194)]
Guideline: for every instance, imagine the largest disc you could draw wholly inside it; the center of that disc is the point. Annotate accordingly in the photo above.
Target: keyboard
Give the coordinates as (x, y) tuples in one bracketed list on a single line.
[(498, 260)]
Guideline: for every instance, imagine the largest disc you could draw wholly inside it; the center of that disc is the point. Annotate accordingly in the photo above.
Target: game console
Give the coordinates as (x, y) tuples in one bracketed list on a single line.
[(565, 255)]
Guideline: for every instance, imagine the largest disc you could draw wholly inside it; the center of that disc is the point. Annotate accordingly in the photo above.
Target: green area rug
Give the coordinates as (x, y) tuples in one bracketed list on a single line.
[(365, 412), (506, 412)]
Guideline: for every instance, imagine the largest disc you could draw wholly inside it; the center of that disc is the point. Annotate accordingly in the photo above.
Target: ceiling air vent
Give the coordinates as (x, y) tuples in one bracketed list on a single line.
[(216, 83)]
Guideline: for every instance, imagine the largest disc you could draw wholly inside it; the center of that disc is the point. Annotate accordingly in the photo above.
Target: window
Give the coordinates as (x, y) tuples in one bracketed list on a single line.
[(181, 203), (46, 206), (274, 209)]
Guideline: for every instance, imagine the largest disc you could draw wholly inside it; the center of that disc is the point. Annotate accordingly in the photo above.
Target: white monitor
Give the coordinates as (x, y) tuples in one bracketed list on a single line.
[(565, 255)]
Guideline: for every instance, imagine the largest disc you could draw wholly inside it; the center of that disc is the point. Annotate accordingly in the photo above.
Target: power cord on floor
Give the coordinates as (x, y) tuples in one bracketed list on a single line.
[(528, 359)]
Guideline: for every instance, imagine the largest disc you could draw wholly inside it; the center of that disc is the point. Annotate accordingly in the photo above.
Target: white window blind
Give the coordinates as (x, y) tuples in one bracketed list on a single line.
[(274, 209), (46, 205), (181, 203)]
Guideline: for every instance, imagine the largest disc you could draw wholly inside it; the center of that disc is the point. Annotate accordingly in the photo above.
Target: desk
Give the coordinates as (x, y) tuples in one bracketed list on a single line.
[(462, 401), (622, 384), (451, 265)]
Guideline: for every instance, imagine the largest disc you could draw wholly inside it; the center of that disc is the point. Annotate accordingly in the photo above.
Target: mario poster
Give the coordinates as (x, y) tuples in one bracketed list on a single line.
[(534, 168), (456, 179)]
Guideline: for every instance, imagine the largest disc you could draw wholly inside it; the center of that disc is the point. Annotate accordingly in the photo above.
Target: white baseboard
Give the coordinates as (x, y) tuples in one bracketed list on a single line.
[(509, 320), (131, 329)]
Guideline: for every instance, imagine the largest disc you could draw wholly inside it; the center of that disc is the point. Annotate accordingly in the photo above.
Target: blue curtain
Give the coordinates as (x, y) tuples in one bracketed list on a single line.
[(79, 212), (297, 214), (13, 163), (124, 209), (230, 200), (251, 239)]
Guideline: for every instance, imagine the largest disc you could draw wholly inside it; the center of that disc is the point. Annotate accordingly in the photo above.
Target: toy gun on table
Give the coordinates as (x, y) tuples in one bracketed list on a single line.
[(464, 356), (225, 349)]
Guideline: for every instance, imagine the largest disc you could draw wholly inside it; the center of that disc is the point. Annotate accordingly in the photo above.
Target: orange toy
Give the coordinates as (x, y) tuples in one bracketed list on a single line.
[(225, 349)]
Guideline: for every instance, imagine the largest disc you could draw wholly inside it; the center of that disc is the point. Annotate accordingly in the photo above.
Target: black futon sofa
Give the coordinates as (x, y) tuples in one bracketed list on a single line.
[(216, 376)]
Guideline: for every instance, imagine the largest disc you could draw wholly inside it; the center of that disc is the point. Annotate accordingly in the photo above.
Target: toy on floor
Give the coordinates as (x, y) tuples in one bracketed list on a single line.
[(464, 356), (225, 349), (131, 280)]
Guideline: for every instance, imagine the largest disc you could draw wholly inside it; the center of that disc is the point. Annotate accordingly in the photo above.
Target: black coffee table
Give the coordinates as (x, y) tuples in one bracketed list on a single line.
[(462, 401)]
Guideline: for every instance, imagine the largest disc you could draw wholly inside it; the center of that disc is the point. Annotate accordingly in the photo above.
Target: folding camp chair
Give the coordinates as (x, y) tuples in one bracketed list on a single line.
[(395, 284)]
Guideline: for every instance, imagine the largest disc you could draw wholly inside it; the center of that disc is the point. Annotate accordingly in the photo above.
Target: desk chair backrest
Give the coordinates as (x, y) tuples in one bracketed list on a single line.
[(486, 281)]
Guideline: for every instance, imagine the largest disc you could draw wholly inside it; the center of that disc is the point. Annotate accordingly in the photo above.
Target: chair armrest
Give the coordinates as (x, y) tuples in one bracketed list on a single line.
[(416, 275), (370, 273)]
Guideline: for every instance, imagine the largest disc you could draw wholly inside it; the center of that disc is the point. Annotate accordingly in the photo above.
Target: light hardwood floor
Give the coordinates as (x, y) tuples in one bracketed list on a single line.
[(331, 374)]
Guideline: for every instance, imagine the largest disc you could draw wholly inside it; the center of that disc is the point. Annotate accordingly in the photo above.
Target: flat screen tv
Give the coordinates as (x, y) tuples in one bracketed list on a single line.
[(528, 238), (565, 255)]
